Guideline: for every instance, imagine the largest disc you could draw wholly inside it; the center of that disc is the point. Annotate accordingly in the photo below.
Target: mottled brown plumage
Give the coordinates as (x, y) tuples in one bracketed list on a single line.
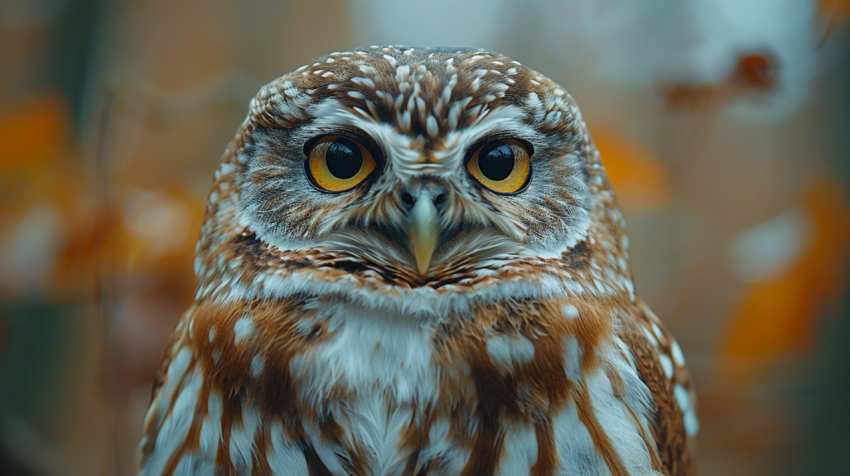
[(431, 319)]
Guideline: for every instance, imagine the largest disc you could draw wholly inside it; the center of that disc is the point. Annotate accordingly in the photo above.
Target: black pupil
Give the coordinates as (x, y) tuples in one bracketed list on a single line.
[(496, 161), (344, 159)]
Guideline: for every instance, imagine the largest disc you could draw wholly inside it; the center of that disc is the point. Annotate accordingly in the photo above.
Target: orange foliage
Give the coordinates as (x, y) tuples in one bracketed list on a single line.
[(32, 138), (51, 239), (639, 179), (779, 313), (835, 9), (154, 238), (46, 199)]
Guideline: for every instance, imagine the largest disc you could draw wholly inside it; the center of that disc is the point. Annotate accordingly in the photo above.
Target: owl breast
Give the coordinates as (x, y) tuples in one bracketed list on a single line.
[(330, 387)]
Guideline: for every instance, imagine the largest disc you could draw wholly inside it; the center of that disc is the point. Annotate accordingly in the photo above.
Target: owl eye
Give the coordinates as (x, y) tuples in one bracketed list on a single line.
[(502, 166), (337, 164)]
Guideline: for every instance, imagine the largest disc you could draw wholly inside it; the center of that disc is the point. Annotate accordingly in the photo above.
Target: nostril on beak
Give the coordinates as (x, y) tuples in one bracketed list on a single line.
[(439, 200), (408, 200)]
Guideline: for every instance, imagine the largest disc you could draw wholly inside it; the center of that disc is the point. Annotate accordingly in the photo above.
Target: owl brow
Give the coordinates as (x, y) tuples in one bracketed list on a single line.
[(271, 138), (350, 132), (497, 135), (265, 132), (560, 145)]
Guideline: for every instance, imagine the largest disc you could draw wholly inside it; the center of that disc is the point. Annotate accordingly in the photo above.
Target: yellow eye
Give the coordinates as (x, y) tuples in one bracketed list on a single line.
[(337, 163), (503, 166)]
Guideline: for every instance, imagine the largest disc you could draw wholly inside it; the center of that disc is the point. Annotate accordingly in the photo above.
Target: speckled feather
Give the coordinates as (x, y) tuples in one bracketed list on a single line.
[(314, 345)]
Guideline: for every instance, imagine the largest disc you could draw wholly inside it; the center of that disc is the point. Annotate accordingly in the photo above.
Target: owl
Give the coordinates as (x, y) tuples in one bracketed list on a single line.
[(412, 263)]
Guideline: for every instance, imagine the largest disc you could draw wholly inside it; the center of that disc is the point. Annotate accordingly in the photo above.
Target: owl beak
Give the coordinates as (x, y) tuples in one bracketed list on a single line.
[(423, 231)]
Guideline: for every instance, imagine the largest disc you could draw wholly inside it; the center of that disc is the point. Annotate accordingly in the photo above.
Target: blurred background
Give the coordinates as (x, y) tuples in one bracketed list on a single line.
[(724, 125)]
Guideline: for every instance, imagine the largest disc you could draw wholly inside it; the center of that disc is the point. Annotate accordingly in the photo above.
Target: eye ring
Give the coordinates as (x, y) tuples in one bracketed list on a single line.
[(337, 164), (502, 166)]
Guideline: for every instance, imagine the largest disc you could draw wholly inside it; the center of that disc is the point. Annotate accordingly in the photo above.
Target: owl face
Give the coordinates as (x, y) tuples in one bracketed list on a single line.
[(416, 159)]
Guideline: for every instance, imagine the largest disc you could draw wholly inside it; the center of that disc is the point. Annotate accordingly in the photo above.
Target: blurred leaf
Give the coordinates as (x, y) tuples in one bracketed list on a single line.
[(778, 313), (32, 139), (639, 179), (835, 10)]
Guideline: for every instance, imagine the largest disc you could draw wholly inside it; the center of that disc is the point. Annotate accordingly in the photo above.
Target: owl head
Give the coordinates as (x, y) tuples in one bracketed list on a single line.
[(418, 167)]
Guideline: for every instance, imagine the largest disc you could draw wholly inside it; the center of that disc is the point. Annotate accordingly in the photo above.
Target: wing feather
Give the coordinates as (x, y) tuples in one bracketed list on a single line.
[(651, 344)]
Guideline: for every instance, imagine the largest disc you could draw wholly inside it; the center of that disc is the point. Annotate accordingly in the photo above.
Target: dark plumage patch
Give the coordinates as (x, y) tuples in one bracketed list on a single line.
[(247, 244), (314, 464), (578, 256)]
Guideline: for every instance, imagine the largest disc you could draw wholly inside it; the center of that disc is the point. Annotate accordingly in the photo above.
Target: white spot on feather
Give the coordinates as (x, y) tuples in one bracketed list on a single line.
[(284, 457), (572, 358), (211, 428), (520, 452), (361, 81), (242, 328), (257, 364), (691, 423), (443, 448), (402, 72), (242, 439), (667, 365), (510, 350), (683, 398), (689, 417), (569, 311), (656, 329), (678, 356), (431, 126), (649, 336), (576, 452), (614, 415)]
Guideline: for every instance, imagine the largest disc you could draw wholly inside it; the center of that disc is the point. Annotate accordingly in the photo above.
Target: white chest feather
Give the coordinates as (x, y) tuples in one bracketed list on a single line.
[(368, 349), (382, 365)]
